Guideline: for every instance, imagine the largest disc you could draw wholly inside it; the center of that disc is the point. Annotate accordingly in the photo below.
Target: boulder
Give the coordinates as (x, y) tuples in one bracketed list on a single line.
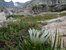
[(2, 16)]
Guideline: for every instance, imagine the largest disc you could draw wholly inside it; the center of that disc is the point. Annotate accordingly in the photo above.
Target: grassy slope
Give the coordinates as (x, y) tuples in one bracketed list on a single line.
[(30, 18)]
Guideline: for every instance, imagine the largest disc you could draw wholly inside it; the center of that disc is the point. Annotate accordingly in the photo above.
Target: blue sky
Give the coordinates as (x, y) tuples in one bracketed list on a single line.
[(23, 1)]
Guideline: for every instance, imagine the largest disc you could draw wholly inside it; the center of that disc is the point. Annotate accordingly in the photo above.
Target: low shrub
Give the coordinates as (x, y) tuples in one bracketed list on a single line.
[(13, 33)]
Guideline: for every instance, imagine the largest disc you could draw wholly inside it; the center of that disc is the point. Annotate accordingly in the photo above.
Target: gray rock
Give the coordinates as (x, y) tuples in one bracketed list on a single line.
[(2, 16)]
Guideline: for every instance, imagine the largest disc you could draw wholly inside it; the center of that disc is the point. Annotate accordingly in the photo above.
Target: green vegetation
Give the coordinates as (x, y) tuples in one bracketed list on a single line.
[(39, 18), (30, 18), (17, 35), (12, 34), (13, 39), (62, 14)]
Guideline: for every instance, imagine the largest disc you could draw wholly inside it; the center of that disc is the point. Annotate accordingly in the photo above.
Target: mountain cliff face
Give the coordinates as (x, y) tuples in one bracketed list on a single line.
[(18, 4), (6, 4), (9, 4), (48, 2), (47, 5), (2, 2)]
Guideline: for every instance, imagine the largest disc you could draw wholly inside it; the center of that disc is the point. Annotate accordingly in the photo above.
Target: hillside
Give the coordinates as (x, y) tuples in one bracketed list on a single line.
[(38, 6)]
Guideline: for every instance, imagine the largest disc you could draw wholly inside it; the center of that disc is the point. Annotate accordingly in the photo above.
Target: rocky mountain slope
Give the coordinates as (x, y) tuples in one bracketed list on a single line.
[(38, 6), (6, 4), (18, 4), (48, 2)]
